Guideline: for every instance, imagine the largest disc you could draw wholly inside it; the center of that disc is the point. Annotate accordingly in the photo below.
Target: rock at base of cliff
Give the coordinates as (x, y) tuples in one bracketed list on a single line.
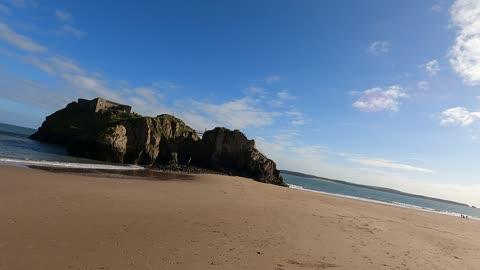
[(231, 152)]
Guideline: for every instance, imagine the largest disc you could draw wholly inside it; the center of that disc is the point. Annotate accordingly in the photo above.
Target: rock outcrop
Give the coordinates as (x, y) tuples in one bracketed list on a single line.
[(116, 136), (146, 140), (231, 151)]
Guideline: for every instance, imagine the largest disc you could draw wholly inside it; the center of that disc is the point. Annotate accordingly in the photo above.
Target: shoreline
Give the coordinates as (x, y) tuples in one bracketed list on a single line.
[(133, 171), (67, 221), (395, 204)]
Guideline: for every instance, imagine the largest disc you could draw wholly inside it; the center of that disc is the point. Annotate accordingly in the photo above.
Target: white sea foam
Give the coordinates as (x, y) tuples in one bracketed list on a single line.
[(73, 165)]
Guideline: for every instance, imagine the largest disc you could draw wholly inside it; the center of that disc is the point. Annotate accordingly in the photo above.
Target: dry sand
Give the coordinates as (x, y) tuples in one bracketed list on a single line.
[(57, 221)]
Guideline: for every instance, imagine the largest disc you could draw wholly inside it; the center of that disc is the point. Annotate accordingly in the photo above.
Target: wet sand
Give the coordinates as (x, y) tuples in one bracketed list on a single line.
[(63, 221)]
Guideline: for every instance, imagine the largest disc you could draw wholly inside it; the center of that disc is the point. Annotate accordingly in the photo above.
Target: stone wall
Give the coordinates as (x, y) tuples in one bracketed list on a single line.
[(99, 104)]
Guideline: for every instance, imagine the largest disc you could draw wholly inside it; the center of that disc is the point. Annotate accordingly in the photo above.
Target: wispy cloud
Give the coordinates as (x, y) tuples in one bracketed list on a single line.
[(18, 40), (272, 79), (388, 164), (436, 8), (254, 90), (65, 65), (423, 85), (379, 47), (431, 67), (31, 92), (285, 95), (376, 99), (281, 97), (63, 16), (53, 65), (239, 113), (69, 30), (249, 111), (464, 55), (296, 118), (39, 63), (290, 154), (286, 135)]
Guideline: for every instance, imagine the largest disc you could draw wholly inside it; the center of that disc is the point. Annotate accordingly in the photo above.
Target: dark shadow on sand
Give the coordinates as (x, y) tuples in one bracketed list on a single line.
[(145, 174)]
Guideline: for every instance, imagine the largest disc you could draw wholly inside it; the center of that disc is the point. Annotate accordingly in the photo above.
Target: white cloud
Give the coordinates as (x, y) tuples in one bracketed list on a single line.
[(53, 65), (253, 90), (294, 114), (84, 82), (42, 65), (65, 65), (376, 99), (306, 150), (239, 113), (147, 93), (436, 8), (423, 85), (296, 118), (68, 29), (432, 67), (282, 97), (19, 41), (285, 95), (290, 154), (63, 16), (276, 103), (286, 135), (272, 79), (388, 164), (465, 54), (23, 3), (379, 47), (33, 93), (246, 112), (459, 116), (91, 86), (4, 9)]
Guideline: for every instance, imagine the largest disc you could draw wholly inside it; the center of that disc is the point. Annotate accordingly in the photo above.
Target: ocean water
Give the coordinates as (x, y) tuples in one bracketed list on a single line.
[(17, 149), (343, 190)]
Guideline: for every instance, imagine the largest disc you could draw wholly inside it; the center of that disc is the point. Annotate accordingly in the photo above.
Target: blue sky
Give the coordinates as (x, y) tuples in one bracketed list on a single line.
[(374, 92)]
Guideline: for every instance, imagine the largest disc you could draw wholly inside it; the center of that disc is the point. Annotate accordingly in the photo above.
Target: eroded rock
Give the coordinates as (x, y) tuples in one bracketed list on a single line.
[(119, 136)]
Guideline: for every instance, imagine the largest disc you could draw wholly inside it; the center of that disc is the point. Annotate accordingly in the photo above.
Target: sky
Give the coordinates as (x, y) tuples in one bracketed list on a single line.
[(376, 92)]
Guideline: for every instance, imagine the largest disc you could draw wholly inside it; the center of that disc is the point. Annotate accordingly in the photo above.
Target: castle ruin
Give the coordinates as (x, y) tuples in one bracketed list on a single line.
[(99, 104)]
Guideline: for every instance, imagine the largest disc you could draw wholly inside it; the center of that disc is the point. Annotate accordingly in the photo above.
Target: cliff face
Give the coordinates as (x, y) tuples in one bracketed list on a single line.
[(231, 151), (146, 140), (129, 138), (117, 136)]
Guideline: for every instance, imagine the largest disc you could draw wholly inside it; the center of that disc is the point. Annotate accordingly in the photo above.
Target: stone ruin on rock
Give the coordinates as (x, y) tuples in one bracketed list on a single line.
[(99, 104)]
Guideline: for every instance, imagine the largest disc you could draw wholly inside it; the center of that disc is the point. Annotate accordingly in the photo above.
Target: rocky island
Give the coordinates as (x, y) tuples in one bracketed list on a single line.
[(108, 131)]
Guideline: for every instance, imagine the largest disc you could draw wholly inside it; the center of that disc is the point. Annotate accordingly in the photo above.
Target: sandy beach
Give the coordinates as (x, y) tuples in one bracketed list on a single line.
[(61, 221)]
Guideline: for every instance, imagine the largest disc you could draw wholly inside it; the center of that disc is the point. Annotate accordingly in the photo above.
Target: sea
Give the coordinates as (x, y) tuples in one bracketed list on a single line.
[(16, 149)]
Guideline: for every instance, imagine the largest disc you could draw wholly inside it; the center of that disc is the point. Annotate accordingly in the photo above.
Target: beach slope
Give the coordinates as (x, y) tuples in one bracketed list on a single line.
[(59, 221)]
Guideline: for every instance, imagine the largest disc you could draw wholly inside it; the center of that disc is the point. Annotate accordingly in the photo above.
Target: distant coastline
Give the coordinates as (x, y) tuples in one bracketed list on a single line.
[(16, 129), (373, 188)]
